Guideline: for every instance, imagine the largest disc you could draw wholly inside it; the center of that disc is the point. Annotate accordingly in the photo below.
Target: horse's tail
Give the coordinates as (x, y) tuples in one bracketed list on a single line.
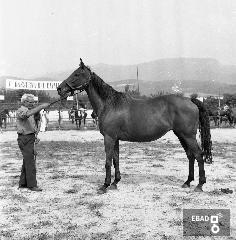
[(204, 129)]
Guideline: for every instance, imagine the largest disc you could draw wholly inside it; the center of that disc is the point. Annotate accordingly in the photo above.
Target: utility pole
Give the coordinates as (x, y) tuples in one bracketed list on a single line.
[(137, 79), (77, 103), (219, 98)]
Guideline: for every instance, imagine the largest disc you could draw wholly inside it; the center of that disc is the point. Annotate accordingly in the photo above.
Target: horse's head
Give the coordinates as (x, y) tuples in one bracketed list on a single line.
[(78, 80)]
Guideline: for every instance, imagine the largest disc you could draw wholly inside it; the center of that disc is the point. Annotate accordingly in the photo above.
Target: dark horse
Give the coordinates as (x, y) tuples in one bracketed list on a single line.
[(233, 116), (219, 115), (122, 117)]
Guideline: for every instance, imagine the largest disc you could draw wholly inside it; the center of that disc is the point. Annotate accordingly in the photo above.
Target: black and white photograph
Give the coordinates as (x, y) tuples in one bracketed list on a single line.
[(117, 119)]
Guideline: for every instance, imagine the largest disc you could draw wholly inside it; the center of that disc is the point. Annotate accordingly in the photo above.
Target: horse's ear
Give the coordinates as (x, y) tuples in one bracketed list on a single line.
[(81, 63)]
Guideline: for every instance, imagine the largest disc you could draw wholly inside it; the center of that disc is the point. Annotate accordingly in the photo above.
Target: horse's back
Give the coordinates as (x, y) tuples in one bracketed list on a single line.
[(146, 120)]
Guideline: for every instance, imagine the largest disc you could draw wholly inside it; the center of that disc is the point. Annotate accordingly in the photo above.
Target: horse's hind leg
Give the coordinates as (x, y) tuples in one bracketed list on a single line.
[(197, 152), (116, 165), (191, 159)]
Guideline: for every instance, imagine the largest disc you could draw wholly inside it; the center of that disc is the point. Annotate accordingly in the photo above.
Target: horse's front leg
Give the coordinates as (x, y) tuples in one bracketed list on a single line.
[(109, 150), (116, 165)]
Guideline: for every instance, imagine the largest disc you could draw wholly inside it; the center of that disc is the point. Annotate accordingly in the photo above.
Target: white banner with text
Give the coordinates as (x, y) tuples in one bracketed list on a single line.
[(32, 85)]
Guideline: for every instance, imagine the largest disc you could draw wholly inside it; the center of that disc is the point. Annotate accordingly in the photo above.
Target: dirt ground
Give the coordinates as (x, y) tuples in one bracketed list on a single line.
[(149, 201)]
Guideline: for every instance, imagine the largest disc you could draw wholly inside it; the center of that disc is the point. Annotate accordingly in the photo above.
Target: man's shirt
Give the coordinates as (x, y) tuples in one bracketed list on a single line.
[(25, 125)]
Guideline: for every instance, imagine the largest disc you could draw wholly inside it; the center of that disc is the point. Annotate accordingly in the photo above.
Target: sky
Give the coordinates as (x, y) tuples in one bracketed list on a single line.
[(46, 36)]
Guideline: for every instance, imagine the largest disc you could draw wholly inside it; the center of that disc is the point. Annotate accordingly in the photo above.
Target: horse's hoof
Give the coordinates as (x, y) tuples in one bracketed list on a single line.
[(186, 185), (113, 187), (102, 190), (198, 189)]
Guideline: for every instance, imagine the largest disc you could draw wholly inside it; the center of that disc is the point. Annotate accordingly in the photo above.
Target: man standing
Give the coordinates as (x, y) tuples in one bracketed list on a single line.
[(226, 107), (27, 129), (84, 117)]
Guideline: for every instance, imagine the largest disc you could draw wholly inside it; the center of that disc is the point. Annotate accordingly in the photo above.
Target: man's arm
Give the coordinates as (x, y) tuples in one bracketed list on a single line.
[(37, 109)]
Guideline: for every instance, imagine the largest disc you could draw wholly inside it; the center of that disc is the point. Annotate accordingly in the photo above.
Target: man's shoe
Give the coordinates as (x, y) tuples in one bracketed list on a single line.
[(36, 189), (22, 186)]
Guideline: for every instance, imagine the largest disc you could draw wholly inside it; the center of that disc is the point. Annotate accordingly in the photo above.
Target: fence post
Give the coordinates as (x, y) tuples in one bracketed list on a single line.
[(59, 117)]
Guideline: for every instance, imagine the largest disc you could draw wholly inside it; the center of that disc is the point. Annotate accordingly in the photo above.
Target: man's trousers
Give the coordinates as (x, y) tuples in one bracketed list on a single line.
[(28, 170)]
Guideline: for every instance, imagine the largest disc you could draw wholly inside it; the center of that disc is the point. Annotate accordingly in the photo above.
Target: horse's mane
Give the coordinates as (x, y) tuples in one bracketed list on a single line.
[(108, 93)]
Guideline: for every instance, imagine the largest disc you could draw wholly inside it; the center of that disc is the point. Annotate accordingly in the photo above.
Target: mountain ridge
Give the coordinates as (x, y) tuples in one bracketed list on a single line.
[(187, 73), (204, 69)]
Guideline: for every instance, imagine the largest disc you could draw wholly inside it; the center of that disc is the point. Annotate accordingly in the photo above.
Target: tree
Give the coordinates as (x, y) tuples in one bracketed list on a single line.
[(194, 95), (229, 99), (127, 88)]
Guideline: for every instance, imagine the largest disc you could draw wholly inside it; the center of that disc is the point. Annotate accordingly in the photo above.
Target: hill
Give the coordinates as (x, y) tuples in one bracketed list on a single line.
[(200, 75), (203, 88), (184, 69)]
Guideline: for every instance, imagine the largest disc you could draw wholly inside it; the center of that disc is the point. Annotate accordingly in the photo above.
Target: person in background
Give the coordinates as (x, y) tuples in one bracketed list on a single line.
[(43, 124), (14, 116), (27, 118), (85, 116), (4, 114), (226, 107), (72, 115), (69, 114), (11, 115), (78, 118), (95, 118)]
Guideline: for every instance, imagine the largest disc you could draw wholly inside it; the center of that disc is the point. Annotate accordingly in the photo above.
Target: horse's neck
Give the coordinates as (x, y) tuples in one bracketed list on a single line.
[(99, 93), (96, 101)]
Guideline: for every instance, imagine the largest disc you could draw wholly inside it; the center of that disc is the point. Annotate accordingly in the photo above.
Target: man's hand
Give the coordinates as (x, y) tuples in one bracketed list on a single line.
[(37, 109), (45, 105)]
